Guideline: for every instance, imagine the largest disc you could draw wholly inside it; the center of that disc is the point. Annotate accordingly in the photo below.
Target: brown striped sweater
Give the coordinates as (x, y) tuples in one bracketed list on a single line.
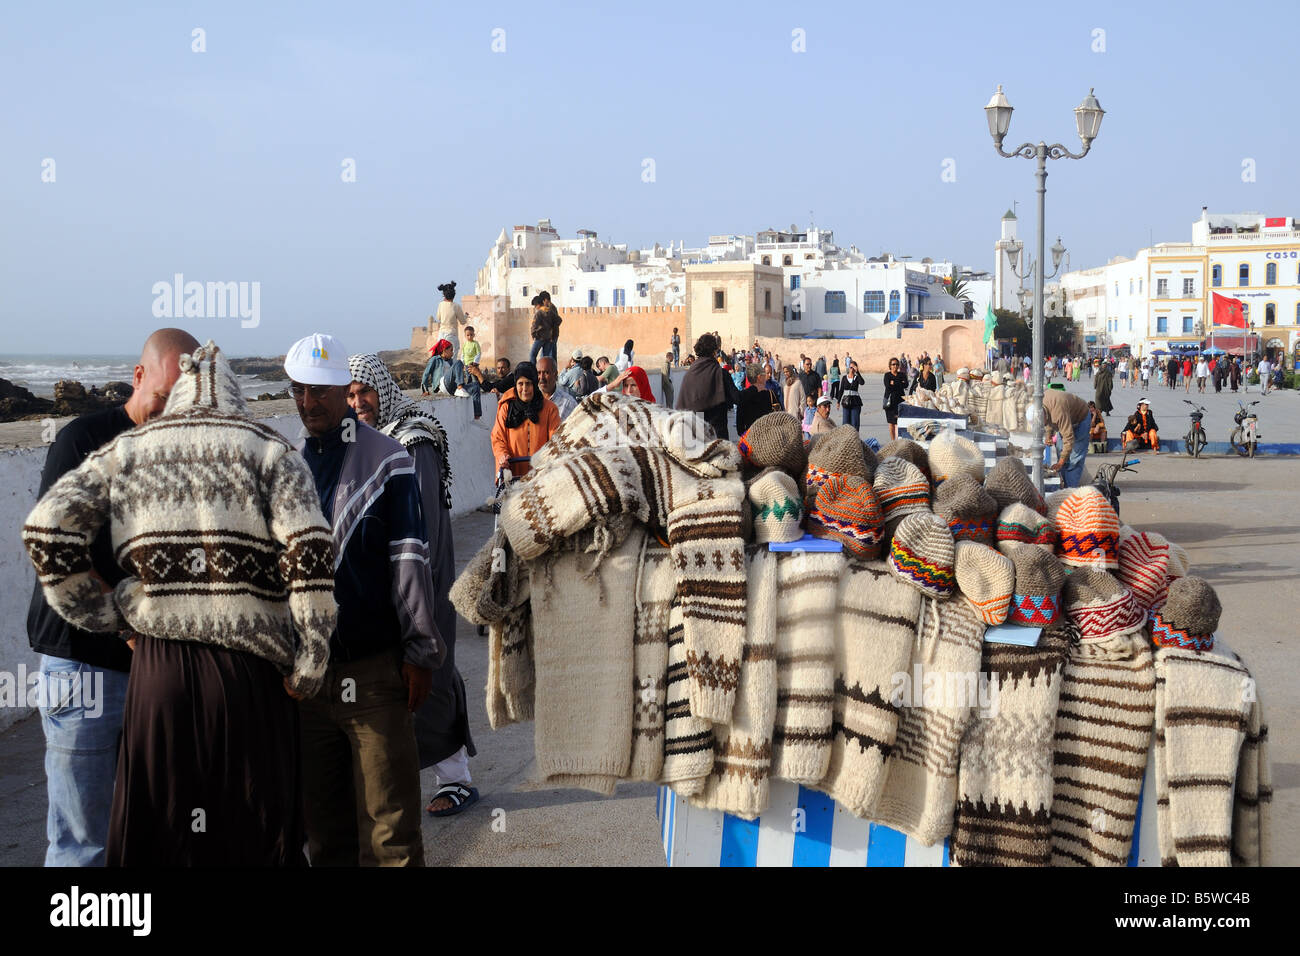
[(216, 521)]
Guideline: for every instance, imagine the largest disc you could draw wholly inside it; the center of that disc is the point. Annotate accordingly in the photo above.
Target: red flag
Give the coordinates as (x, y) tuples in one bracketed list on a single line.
[(1228, 311), (1275, 222)]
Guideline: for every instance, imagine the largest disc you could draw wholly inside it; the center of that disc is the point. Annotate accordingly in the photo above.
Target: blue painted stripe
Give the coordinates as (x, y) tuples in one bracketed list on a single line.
[(812, 847), (885, 847), (1137, 824), (672, 827), (739, 842), (947, 849)]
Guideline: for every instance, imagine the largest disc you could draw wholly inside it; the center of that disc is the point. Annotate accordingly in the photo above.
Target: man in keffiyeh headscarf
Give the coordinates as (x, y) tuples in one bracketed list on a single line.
[(442, 722)]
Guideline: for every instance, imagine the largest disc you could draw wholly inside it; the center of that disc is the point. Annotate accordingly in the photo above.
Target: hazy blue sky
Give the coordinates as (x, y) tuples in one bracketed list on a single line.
[(225, 165)]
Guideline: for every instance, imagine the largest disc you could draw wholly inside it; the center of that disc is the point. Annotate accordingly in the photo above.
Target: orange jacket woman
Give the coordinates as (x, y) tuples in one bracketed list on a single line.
[(526, 419)]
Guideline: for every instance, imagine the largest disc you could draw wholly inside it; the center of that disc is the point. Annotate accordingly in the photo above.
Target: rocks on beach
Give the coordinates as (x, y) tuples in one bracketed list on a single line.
[(70, 398)]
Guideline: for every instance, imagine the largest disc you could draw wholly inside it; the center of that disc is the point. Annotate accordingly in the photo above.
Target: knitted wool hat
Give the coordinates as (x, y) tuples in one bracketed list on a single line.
[(1189, 618), (1144, 566), (908, 451), (1099, 605), (951, 454), (986, 579), (1020, 524), (1037, 597), (1009, 483), (923, 554), (777, 506), (841, 452), (901, 488), (1179, 564), (970, 511), (1087, 530), (775, 441), (846, 510)]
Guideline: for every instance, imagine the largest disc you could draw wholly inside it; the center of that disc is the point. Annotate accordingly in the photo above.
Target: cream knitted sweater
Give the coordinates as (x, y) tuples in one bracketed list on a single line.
[(215, 519)]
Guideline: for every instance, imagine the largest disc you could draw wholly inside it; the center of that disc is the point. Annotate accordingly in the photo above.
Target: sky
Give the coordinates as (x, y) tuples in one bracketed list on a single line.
[(229, 164)]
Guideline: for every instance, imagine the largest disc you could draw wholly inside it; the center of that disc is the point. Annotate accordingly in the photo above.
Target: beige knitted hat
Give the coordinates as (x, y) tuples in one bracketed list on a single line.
[(1039, 576), (1020, 524), (970, 511), (909, 451), (951, 454), (775, 441), (1190, 616), (841, 452), (777, 505), (1009, 483), (986, 579), (1099, 605), (901, 490)]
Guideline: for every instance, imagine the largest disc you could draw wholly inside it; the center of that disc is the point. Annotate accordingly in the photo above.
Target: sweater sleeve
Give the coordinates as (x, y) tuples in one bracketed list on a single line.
[(306, 563), (500, 441), (58, 535), (411, 572)]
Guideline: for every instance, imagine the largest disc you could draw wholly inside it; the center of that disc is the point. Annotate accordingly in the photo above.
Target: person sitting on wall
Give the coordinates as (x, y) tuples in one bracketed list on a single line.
[(1140, 429), (1097, 430)]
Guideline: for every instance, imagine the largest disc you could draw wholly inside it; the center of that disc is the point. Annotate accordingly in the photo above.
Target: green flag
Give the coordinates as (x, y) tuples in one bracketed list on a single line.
[(990, 324)]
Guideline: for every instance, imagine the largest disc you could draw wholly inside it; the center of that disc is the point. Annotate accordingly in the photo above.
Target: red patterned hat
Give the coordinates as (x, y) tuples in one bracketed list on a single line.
[(1144, 566), (1100, 606)]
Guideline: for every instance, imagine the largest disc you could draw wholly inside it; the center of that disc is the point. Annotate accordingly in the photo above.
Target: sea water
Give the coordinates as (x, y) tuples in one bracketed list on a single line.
[(38, 373)]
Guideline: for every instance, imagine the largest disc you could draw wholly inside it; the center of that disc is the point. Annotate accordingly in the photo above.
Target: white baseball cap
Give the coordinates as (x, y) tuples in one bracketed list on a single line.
[(1143, 401), (318, 359), (824, 400), (577, 354)]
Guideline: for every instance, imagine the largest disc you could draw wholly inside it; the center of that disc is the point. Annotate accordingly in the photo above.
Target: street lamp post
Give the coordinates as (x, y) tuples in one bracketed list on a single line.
[(1087, 118)]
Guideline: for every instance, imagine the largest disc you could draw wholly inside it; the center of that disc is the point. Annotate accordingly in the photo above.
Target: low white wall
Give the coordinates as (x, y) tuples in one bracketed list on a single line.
[(20, 478)]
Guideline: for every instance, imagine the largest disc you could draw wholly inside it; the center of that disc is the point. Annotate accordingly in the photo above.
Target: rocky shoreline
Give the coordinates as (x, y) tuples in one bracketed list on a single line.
[(73, 398)]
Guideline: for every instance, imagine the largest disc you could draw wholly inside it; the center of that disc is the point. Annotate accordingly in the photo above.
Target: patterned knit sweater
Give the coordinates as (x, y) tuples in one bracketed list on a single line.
[(617, 456), (214, 518)]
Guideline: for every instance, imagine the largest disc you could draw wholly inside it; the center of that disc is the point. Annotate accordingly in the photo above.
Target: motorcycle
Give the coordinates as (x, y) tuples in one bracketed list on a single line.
[(1105, 480), (1195, 441), (1245, 436)]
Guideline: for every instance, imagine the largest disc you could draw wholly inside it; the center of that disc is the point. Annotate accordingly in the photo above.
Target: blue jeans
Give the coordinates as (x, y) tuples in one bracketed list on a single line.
[(853, 416), (81, 715), (468, 382), (544, 348), (1072, 472)]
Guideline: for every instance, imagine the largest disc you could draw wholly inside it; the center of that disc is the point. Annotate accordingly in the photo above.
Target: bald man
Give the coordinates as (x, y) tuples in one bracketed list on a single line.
[(84, 675)]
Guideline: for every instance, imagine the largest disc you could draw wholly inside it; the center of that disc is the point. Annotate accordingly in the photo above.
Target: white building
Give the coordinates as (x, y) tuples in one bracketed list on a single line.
[(1162, 297)]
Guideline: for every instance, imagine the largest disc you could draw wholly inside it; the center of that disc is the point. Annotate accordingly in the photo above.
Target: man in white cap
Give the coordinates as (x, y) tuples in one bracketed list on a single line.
[(573, 371), (361, 768)]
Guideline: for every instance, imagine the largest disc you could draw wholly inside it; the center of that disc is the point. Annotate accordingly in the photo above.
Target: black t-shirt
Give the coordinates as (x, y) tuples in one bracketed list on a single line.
[(46, 631)]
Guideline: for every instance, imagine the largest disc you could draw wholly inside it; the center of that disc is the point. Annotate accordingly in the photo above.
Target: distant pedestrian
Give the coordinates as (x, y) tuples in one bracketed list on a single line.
[(850, 398), (895, 388), (450, 317), (1202, 374), (707, 388), (1187, 374), (676, 342), (624, 360), (666, 379), (822, 423), (1102, 383), (794, 393)]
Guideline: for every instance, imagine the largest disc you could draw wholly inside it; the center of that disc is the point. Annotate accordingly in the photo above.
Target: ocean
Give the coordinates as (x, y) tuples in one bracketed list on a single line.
[(38, 373)]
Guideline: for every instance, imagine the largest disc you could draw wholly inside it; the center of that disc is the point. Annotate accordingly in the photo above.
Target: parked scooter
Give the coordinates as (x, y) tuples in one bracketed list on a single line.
[(1105, 480), (1194, 441), (1245, 436)]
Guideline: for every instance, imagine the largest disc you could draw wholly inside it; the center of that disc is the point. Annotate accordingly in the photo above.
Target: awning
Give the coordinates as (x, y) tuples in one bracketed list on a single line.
[(1090, 339)]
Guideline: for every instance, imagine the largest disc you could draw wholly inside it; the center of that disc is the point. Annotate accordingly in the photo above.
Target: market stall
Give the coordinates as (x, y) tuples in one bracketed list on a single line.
[(827, 656)]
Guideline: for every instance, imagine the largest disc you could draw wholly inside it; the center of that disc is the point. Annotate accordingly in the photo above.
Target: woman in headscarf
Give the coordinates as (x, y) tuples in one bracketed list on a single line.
[(1102, 384), (707, 388), (793, 392), (634, 383), (623, 361), (442, 722), (526, 419)]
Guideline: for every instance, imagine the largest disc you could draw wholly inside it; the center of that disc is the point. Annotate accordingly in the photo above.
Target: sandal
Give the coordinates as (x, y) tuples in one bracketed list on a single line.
[(460, 796)]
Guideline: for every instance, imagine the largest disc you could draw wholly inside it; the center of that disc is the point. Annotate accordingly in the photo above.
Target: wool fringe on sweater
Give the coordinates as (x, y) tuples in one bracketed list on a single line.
[(1103, 737), (1004, 781), (510, 677), (1206, 706), (688, 740), (920, 789), (621, 456), (742, 748), (806, 612), (875, 628), (584, 674), (655, 587)]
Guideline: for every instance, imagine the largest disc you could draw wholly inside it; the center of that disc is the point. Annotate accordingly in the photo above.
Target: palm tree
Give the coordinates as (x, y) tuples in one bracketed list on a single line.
[(957, 289)]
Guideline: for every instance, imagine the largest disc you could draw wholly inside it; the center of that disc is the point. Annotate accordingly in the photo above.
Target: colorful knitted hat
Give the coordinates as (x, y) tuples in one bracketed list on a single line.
[(1099, 605), (1087, 530), (775, 441), (970, 511), (846, 510), (923, 554), (951, 454), (908, 451), (986, 579), (1189, 618), (1020, 524), (1009, 484), (1037, 597), (901, 488), (1144, 566), (777, 505), (841, 452)]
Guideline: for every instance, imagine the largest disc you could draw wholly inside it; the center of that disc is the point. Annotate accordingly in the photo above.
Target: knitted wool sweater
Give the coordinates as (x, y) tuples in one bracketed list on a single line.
[(617, 456), (1004, 780), (1103, 735), (216, 521)]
